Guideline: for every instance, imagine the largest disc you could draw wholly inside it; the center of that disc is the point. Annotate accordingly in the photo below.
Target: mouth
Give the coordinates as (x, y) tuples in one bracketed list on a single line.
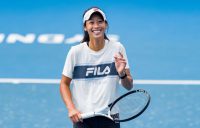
[(96, 32)]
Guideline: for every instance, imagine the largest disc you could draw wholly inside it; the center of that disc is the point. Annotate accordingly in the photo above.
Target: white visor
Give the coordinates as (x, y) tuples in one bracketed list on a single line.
[(90, 12)]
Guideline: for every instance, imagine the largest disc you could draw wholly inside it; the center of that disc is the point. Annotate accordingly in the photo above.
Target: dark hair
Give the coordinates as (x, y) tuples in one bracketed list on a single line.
[(86, 37)]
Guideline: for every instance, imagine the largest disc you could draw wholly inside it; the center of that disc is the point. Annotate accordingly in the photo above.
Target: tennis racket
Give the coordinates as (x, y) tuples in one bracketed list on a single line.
[(127, 106)]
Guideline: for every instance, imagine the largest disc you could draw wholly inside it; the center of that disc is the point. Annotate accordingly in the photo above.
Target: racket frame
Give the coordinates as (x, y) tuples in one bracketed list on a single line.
[(128, 93), (97, 113)]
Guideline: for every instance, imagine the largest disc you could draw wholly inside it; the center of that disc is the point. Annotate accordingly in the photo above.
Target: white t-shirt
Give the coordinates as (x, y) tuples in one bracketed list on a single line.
[(95, 81)]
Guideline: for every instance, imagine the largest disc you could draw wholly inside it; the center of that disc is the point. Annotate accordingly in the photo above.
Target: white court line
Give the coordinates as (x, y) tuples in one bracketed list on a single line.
[(168, 82), (29, 81), (57, 81)]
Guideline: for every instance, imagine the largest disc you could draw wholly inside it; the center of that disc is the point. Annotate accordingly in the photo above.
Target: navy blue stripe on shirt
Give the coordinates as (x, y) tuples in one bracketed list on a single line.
[(94, 71)]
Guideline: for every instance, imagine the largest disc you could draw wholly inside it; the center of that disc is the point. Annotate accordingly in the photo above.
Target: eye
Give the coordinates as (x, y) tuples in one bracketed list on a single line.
[(90, 22), (100, 21)]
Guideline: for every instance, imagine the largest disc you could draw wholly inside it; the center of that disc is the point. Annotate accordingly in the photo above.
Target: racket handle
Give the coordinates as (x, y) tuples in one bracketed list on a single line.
[(87, 115)]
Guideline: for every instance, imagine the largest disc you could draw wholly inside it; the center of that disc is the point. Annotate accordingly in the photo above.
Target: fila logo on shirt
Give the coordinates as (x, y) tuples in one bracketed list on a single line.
[(97, 71), (94, 71)]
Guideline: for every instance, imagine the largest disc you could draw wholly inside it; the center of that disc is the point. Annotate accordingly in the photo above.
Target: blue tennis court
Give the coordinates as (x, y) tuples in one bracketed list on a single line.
[(37, 105), (162, 40)]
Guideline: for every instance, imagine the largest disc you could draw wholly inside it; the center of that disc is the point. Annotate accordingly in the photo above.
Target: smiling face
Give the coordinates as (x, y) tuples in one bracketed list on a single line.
[(95, 26)]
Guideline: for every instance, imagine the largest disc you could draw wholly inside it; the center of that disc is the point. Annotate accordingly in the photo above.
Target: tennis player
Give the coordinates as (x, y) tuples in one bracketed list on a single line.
[(95, 69)]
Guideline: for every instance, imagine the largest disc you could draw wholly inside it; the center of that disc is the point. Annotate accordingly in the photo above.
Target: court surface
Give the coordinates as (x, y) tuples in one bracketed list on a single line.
[(162, 40), (40, 106)]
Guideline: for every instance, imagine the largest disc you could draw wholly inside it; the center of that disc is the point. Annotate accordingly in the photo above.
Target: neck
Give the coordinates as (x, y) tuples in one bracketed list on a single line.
[(96, 44)]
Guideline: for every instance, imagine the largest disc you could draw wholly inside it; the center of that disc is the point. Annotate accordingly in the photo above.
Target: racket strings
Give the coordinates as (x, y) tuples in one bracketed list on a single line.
[(130, 105)]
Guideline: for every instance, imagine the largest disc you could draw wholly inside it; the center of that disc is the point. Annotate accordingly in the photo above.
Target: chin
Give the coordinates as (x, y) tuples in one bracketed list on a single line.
[(98, 36)]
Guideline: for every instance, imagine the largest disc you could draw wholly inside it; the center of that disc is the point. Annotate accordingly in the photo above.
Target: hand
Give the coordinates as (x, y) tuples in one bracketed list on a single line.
[(74, 115), (120, 63)]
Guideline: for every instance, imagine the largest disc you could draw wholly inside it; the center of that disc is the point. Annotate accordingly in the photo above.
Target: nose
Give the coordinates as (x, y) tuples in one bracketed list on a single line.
[(96, 24)]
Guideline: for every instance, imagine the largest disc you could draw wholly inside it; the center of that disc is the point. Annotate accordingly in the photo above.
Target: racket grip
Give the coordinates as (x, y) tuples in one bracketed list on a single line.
[(87, 115)]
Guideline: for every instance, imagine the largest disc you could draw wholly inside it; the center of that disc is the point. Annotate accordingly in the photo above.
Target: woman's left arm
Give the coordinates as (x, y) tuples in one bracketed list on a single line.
[(126, 79), (124, 74)]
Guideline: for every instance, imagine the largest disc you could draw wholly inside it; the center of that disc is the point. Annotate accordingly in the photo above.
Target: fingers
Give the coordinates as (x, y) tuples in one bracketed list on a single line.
[(121, 55), (120, 62), (80, 118), (74, 119), (117, 59), (118, 55), (75, 116)]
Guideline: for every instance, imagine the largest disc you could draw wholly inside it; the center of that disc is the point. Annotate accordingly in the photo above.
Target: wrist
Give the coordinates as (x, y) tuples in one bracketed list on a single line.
[(122, 75), (71, 106)]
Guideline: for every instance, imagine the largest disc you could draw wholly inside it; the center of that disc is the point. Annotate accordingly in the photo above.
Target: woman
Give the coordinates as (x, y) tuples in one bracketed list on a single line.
[(94, 70)]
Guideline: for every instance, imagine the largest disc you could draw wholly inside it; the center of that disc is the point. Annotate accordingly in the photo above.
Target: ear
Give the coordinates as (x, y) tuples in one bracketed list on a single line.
[(106, 25), (84, 28)]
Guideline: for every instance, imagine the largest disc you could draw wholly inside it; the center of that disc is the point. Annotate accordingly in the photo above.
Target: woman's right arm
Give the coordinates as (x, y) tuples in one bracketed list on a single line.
[(73, 113)]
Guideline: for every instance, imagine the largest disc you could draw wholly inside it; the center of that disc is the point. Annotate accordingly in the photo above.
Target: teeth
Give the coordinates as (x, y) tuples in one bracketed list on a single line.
[(96, 31)]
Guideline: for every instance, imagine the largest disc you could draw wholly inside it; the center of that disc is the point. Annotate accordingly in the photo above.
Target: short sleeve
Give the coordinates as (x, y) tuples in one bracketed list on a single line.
[(69, 64)]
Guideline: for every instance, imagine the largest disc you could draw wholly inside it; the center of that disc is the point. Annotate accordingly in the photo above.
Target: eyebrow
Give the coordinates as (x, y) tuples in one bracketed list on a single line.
[(97, 19)]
